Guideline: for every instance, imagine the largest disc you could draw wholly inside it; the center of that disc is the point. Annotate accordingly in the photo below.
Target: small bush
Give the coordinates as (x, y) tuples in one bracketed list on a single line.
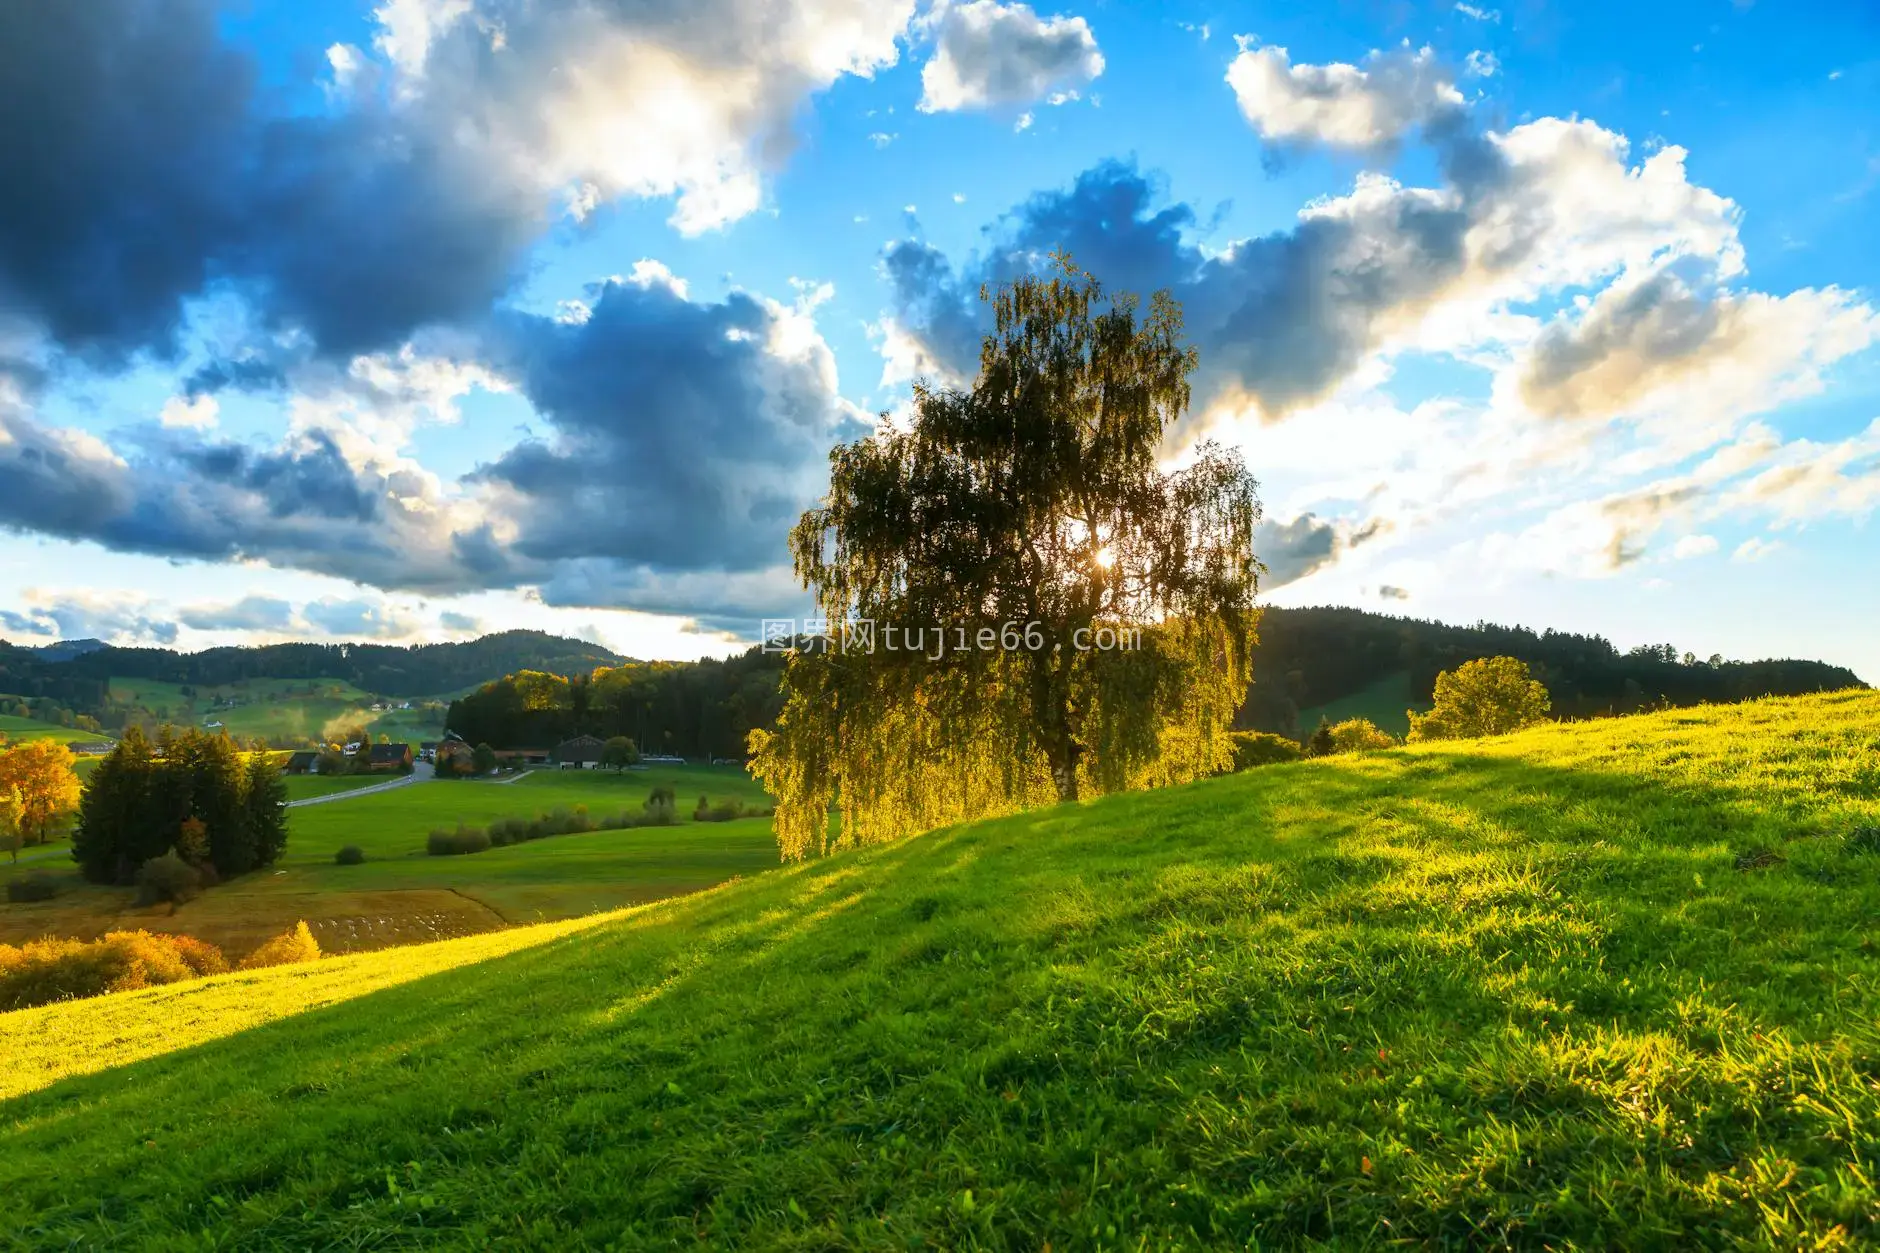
[(351, 855), (1262, 748), (122, 961), (167, 878), (297, 945), (463, 840), (662, 795), (38, 886), (1360, 735), (1864, 841)]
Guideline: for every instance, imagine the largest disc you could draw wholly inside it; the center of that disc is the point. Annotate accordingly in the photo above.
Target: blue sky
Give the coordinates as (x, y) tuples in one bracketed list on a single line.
[(416, 320)]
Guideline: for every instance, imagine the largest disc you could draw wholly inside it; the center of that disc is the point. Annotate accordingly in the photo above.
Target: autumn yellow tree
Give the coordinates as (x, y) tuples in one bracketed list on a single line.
[(1487, 696), (41, 772)]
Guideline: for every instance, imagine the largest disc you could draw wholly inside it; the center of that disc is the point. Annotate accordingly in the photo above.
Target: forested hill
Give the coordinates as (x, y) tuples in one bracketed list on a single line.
[(1309, 658), (81, 681), (1306, 659)]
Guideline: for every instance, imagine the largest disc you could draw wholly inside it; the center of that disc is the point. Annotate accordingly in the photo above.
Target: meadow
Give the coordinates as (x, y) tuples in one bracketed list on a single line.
[(401, 895), (20, 730), (295, 709), (1596, 985)]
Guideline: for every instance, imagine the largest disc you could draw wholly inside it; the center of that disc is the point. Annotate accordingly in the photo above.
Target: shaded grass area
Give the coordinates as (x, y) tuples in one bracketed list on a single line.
[(1604, 985), (1385, 703)]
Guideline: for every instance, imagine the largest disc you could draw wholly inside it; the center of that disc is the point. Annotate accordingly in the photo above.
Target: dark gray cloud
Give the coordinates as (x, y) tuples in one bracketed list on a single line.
[(1280, 319), (1292, 550), (149, 175), (682, 438), (1387, 592), (126, 121), (250, 613)]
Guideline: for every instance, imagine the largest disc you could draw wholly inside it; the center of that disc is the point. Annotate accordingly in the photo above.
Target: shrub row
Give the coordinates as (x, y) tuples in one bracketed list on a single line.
[(726, 811), (37, 886), (51, 969), (443, 842)]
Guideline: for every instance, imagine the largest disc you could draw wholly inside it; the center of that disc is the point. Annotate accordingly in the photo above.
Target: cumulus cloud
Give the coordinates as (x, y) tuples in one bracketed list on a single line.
[(369, 618), (992, 55), (1344, 106), (111, 617), (1660, 338), (153, 166), (678, 438), (1291, 551), (250, 613), (1282, 320), (1694, 546)]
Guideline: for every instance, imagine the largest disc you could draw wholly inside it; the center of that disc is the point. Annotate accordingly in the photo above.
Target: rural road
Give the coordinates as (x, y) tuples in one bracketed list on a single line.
[(420, 773)]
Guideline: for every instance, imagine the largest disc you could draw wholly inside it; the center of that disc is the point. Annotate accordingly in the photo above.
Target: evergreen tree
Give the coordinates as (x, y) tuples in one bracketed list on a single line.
[(1322, 744), (111, 812), (264, 809)]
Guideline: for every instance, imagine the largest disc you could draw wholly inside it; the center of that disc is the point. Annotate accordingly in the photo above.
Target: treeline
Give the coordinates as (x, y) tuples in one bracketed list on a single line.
[(188, 794), (701, 709), (80, 684), (1309, 657)]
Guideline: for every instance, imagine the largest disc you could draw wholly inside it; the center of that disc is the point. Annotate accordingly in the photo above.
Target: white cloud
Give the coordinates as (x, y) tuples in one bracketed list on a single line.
[(1479, 64), (1694, 546), (686, 98), (1480, 15), (1342, 105), (992, 55), (1755, 549), (181, 412)]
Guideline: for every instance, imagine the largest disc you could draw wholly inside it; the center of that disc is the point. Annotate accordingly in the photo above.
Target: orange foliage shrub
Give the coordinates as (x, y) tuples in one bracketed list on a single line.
[(122, 961), (297, 945)]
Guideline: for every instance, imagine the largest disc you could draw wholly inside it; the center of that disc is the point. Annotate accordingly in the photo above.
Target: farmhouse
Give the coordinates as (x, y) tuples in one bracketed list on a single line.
[(305, 761), (389, 757), (91, 748), (583, 752)]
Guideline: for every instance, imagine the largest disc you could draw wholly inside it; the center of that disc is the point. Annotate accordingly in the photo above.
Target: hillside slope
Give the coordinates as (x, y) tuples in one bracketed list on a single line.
[(1596, 985)]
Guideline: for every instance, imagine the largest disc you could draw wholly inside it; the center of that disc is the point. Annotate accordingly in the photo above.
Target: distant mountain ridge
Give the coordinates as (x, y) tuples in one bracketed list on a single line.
[(77, 676)]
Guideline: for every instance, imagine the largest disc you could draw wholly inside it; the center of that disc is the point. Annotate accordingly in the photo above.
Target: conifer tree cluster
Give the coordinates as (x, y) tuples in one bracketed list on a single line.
[(187, 792)]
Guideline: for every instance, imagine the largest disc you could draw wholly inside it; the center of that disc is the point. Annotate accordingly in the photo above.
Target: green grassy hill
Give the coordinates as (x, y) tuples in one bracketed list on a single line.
[(282, 709), (1614, 984)]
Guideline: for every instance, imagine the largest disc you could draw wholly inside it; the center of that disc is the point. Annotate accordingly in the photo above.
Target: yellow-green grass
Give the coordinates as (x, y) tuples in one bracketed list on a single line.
[(1612, 984), (21, 730), (58, 1041), (1385, 703)]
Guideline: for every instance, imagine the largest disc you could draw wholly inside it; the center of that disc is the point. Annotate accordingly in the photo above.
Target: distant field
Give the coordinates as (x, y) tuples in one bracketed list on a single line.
[(401, 895), (1384, 703), (1612, 984), (302, 787), (19, 730), (283, 708)]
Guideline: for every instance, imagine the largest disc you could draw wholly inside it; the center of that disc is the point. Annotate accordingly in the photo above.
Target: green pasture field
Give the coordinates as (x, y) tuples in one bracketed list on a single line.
[(1613, 984), (20, 730), (401, 894), (302, 787)]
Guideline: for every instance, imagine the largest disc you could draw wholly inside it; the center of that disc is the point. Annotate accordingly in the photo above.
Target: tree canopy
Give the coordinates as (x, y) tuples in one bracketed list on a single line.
[(1487, 696), (1072, 617), (40, 771)]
